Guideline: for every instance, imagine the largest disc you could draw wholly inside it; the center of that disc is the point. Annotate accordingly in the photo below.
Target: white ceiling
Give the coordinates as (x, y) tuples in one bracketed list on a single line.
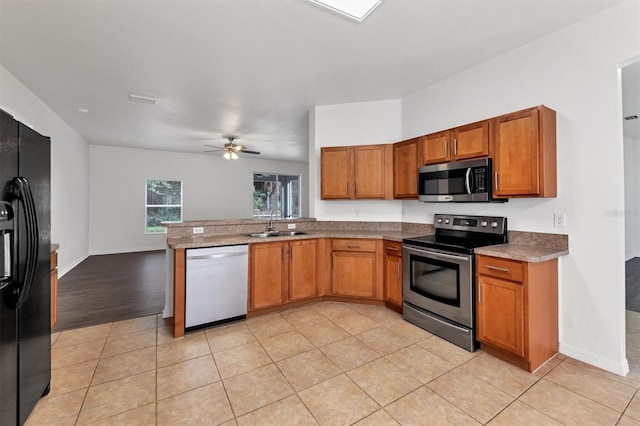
[(251, 68)]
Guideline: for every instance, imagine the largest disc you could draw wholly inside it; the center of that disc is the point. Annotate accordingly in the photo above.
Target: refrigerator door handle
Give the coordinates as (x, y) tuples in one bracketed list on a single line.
[(22, 192), (6, 277)]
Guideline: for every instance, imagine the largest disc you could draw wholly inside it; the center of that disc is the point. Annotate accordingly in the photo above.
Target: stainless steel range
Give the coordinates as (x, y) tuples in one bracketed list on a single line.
[(439, 275)]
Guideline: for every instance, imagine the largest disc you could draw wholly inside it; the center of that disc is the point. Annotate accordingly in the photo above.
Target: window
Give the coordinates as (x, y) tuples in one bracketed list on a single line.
[(163, 204), (276, 193)]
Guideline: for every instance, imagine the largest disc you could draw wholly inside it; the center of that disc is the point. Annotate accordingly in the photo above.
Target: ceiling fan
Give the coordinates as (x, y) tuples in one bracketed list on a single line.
[(230, 149)]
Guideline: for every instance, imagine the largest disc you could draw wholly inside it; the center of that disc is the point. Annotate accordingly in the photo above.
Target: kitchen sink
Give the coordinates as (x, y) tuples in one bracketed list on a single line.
[(267, 234), (291, 233), (263, 234)]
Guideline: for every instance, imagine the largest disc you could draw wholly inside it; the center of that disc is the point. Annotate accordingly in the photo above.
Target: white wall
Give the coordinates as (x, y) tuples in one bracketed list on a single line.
[(69, 170), (632, 197), (361, 123), (213, 188), (574, 71)]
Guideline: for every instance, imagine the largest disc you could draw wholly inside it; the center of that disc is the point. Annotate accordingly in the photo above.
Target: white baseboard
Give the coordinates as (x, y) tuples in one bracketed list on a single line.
[(620, 368), (120, 251), (73, 264)]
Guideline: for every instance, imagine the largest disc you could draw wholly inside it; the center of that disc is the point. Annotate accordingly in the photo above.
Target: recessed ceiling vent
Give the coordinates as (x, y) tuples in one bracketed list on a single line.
[(134, 97), (352, 9), (631, 117)]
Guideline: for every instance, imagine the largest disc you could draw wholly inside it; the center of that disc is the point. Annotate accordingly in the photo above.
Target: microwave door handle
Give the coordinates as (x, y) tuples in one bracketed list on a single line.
[(467, 180)]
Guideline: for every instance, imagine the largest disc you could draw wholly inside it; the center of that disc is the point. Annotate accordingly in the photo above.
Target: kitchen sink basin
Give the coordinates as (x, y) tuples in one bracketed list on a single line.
[(263, 234), (291, 233), (267, 234)]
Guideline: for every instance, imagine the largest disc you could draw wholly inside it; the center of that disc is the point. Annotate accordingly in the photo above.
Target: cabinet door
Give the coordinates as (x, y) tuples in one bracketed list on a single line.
[(393, 280), (335, 175), (369, 171), (516, 154), (303, 280), (501, 314), (406, 161), (435, 148), (268, 275), (353, 274), (471, 141)]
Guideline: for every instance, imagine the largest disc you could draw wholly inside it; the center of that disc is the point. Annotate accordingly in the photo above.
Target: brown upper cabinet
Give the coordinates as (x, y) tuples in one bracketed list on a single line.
[(522, 145), (336, 173), (356, 172), (461, 143), (471, 141), (524, 154), (406, 161), (435, 148)]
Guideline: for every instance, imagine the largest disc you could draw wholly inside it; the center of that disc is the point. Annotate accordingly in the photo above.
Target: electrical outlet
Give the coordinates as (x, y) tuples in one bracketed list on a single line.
[(198, 230), (357, 213), (559, 219), (404, 213), (291, 226)]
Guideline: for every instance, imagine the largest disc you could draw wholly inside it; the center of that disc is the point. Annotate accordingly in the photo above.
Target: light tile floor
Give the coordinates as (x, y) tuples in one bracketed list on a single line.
[(327, 363)]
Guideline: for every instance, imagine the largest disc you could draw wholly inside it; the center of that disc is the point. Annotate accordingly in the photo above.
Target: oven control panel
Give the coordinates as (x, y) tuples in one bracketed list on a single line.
[(485, 224)]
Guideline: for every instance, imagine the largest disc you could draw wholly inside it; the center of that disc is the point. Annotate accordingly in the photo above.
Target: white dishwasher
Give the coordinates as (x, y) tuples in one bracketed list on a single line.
[(216, 285)]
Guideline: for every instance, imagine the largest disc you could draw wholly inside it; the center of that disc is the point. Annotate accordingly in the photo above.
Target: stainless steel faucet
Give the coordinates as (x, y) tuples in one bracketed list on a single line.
[(270, 227)]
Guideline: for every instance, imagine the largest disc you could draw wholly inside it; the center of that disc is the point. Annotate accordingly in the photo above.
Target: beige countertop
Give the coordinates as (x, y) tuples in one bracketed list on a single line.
[(522, 252), (225, 240), (524, 246)]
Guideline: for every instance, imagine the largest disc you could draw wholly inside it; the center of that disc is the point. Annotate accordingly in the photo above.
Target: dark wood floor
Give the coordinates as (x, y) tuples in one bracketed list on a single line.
[(632, 294), (110, 288)]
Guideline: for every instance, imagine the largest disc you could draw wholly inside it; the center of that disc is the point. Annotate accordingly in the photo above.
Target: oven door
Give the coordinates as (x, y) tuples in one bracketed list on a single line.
[(439, 282)]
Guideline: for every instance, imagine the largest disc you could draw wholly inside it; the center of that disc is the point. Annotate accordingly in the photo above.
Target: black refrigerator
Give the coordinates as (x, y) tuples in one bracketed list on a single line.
[(25, 276)]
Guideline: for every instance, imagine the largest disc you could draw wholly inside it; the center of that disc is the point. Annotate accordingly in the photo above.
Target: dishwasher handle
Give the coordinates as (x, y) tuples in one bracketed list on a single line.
[(215, 255)]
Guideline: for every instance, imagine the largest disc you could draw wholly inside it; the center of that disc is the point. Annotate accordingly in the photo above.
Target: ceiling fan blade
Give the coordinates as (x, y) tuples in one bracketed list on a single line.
[(214, 147), (247, 151)]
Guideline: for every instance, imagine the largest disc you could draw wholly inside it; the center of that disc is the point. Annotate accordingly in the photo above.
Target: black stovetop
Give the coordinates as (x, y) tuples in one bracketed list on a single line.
[(462, 234)]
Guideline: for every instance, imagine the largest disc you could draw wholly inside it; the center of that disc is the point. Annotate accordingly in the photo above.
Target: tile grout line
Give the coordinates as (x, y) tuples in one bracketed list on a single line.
[(86, 394)]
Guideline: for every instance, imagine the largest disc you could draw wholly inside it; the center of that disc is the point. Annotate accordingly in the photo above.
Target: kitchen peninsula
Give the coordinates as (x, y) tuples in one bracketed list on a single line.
[(357, 248)]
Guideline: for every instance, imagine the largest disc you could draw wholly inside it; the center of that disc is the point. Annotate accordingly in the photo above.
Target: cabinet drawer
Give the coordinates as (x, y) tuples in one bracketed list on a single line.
[(353, 245), (502, 268), (392, 248)]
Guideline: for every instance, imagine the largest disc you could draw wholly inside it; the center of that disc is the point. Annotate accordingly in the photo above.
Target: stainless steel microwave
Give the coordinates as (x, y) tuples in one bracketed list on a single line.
[(462, 182)]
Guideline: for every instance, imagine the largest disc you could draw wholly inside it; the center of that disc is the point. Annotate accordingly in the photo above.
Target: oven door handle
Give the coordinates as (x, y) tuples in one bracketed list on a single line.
[(467, 180), (447, 256)]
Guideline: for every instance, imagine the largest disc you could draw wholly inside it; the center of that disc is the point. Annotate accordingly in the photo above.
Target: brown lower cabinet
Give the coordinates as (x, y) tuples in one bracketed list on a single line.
[(282, 272), (354, 268), (393, 275), (517, 309)]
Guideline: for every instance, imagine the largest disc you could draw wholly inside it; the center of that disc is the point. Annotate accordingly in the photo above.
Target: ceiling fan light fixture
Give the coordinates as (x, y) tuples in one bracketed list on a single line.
[(234, 156), (227, 155)]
